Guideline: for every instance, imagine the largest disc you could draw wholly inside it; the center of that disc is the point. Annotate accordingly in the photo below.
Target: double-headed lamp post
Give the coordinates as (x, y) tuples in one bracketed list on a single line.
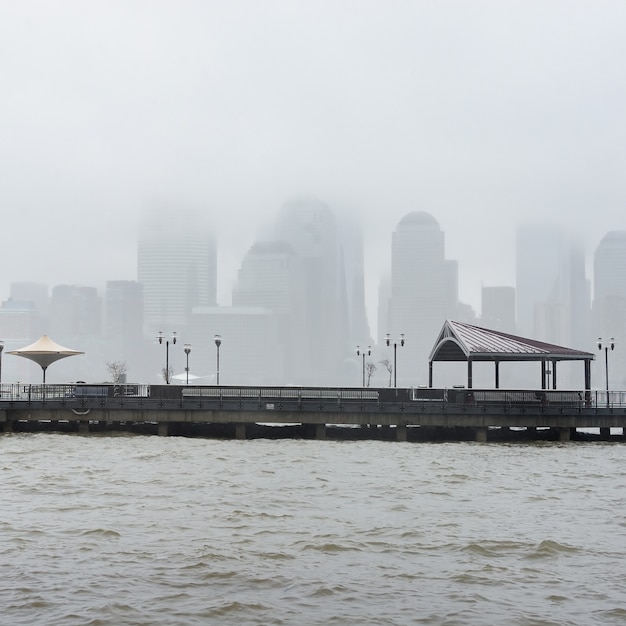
[(606, 362), (160, 336), (218, 343), (395, 350), (187, 349), (363, 353)]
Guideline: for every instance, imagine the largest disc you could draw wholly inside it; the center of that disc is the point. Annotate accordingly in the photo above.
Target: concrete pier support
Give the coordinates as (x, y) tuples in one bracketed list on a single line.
[(7, 426), (164, 429), (240, 430), (401, 434), (83, 427), (481, 435), (564, 435), (320, 431), (605, 434)]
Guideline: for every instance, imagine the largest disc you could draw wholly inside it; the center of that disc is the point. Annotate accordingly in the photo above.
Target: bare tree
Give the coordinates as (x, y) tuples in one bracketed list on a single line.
[(370, 368), (117, 371), (389, 367), (167, 375)]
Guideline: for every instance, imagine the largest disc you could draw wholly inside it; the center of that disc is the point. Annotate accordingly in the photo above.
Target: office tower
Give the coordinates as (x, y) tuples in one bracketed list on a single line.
[(423, 292), (384, 303), (123, 326), (498, 309), (248, 352), (177, 266), (36, 293), (271, 277), (609, 304), (123, 310), (310, 228), (351, 267), (552, 290), (75, 313)]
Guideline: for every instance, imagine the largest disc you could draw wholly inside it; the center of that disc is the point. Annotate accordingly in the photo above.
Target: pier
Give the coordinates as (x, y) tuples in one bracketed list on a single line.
[(316, 413)]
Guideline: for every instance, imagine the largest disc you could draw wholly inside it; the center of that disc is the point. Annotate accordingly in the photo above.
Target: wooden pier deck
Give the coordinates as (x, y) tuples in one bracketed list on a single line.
[(247, 412)]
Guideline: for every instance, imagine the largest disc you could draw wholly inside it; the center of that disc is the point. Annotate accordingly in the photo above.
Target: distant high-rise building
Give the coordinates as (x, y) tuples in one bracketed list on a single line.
[(310, 228), (36, 293), (123, 310), (609, 300), (271, 277), (75, 312), (177, 266), (552, 290), (423, 292), (249, 353), (498, 309)]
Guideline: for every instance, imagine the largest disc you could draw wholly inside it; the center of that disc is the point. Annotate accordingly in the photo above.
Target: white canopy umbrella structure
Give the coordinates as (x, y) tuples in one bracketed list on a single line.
[(44, 352), (182, 378)]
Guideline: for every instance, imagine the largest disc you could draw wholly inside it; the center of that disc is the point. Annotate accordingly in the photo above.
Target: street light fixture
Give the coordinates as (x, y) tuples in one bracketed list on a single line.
[(218, 343), (606, 363), (363, 353), (395, 350), (160, 336), (187, 349)]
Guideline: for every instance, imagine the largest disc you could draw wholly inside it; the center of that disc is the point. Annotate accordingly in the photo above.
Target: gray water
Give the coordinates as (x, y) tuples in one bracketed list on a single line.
[(148, 530)]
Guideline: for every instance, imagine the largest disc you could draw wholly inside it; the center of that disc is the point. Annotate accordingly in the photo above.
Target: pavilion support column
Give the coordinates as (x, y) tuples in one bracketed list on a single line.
[(469, 372), (497, 365), (543, 374), (587, 382), (430, 374), (554, 374)]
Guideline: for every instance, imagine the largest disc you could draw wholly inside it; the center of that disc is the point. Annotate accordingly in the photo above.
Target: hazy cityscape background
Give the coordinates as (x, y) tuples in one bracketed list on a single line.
[(303, 178)]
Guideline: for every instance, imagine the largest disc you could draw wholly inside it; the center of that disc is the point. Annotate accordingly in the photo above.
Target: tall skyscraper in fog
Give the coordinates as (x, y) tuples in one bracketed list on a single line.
[(552, 290), (609, 299), (423, 292), (310, 228), (272, 277), (498, 309), (177, 266)]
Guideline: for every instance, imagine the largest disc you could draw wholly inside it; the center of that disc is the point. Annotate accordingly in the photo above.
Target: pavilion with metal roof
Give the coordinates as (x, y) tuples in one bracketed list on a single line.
[(463, 342)]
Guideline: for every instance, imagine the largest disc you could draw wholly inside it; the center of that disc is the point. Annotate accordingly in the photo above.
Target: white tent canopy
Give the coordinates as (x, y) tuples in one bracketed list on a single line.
[(44, 352)]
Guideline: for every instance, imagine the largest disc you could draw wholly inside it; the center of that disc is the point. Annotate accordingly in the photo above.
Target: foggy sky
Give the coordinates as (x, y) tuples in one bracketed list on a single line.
[(483, 114)]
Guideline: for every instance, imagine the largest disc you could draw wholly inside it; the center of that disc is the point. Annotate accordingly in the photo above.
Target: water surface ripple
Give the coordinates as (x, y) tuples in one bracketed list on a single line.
[(146, 530)]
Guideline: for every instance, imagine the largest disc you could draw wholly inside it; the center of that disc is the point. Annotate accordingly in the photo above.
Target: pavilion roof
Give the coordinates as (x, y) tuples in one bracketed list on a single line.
[(458, 341)]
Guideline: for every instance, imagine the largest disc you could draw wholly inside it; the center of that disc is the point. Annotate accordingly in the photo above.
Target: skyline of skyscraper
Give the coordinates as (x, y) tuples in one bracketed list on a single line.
[(303, 287)]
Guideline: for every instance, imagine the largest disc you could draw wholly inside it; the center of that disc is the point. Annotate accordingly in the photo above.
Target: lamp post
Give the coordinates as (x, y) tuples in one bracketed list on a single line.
[(362, 352), (395, 350), (160, 336), (218, 343), (1, 349), (187, 349), (606, 363)]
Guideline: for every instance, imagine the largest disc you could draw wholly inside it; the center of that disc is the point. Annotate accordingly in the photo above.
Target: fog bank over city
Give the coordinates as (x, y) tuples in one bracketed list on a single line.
[(482, 113)]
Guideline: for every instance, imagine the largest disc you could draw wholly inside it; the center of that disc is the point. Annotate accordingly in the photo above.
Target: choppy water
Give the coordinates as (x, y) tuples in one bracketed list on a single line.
[(148, 530)]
